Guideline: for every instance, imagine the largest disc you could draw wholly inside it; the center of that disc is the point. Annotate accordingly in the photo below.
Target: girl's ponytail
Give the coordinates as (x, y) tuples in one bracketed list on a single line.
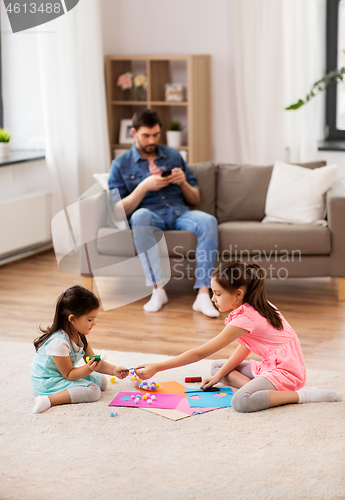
[(256, 297), (251, 278)]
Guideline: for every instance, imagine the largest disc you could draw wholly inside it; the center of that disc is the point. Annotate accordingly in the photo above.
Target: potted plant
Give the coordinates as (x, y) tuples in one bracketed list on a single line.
[(174, 134), (4, 143)]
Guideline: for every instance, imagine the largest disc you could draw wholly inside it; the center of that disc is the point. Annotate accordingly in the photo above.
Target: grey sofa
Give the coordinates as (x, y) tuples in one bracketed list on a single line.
[(236, 195)]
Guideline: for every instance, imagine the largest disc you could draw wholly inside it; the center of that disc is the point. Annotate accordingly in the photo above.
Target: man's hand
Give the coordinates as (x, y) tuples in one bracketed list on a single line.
[(177, 176), (155, 182)]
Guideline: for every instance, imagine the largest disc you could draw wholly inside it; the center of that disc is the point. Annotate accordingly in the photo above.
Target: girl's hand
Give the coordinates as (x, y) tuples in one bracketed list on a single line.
[(121, 372), (93, 365), (210, 382), (146, 371)]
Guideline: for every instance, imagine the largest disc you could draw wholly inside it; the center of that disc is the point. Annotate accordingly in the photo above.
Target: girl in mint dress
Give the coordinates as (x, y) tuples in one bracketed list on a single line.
[(54, 376)]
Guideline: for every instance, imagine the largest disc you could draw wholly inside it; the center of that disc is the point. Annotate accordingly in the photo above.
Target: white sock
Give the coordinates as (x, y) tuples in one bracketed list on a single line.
[(157, 300), (41, 403), (204, 305), (315, 395)]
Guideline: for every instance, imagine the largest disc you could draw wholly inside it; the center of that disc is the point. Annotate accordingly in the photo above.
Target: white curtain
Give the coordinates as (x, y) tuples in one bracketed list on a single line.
[(279, 53), (74, 105)]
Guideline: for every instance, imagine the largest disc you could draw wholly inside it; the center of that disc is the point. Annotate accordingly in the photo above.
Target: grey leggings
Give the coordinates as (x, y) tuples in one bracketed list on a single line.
[(88, 394), (254, 395)]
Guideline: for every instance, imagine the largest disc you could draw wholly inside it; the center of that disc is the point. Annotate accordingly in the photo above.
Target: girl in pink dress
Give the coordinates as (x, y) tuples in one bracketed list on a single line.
[(259, 328)]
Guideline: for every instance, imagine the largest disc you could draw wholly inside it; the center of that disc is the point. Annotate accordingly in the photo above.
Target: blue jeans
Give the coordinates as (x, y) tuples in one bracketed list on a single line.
[(203, 225)]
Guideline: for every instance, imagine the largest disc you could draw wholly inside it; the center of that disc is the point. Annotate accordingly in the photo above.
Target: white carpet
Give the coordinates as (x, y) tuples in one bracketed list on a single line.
[(80, 452)]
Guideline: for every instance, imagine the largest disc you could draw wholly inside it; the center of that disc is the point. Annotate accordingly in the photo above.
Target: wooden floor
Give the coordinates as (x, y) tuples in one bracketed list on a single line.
[(30, 287)]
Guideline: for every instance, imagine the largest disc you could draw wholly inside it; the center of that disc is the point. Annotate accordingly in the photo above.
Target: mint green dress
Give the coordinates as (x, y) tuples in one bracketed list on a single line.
[(46, 378)]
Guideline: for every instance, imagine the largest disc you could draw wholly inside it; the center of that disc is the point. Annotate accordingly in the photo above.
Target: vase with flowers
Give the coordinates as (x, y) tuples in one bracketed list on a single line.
[(136, 83)]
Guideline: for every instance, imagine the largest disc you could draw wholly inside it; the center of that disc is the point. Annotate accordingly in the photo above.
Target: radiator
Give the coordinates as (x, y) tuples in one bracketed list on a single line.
[(24, 222)]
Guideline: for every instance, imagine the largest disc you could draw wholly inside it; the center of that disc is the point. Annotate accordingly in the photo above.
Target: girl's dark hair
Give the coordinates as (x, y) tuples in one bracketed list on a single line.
[(78, 301), (251, 278)]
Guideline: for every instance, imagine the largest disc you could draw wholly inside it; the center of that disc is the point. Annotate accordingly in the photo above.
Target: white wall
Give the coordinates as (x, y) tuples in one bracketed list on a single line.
[(137, 27), (182, 27), (194, 27), (21, 179)]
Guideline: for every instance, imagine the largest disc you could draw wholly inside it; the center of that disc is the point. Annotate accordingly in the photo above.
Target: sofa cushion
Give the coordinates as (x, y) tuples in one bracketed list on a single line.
[(241, 192), (242, 189), (297, 194), (181, 243), (205, 174), (113, 242), (253, 238)]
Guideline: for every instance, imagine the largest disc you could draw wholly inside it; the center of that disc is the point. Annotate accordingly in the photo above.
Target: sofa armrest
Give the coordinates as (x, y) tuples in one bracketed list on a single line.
[(335, 203)]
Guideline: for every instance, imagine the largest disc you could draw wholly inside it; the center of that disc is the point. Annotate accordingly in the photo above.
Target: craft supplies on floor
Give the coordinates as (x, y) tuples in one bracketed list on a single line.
[(200, 398), (174, 401), (167, 401)]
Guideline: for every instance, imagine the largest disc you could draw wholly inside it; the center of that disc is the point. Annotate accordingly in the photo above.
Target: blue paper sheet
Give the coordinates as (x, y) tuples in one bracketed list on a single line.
[(202, 399)]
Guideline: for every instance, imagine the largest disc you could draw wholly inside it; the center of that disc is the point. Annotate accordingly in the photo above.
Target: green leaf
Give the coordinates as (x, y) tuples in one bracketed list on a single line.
[(296, 106)]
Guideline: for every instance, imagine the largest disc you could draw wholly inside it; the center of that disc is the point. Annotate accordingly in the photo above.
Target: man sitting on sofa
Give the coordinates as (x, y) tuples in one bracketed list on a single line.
[(155, 184)]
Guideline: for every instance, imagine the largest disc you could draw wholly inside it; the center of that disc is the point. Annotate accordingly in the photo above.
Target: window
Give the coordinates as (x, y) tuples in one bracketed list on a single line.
[(335, 98)]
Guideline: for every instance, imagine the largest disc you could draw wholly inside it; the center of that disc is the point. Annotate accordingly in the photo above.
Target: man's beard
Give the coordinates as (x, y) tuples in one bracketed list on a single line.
[(148, 149)]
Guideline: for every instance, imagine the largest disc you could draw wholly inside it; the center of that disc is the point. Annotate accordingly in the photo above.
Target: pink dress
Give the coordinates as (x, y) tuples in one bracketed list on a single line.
[(282, 359)]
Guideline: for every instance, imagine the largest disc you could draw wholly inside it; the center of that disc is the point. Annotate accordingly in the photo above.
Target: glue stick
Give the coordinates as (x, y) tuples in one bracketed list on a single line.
[(97, 357)]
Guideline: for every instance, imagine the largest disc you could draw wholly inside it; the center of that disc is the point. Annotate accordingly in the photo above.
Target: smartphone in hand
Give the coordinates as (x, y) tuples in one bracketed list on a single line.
[(166, 173)]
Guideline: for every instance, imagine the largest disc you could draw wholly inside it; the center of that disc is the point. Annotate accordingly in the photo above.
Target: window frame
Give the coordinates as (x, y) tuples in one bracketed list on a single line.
[(333, 134)]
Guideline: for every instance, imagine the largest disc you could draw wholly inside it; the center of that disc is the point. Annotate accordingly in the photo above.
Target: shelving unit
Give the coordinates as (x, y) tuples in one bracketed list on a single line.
[(193, 71)]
